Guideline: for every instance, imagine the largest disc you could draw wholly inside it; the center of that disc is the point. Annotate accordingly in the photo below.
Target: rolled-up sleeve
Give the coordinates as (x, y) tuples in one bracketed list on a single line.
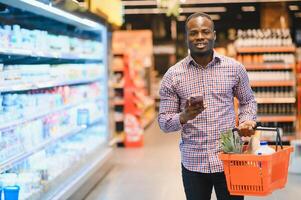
[(244, 93), (169, 112)]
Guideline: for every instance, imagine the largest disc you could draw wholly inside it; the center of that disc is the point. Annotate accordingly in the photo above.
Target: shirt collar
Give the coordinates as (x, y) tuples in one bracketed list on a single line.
[(191, 61)]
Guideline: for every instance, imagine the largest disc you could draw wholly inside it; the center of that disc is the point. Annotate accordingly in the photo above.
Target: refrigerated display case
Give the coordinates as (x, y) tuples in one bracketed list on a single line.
[(53, 101)]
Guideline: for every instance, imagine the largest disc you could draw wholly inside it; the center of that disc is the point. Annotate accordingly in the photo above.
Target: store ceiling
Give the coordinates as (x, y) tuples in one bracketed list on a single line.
[(139, 7), (237, 14), (224, 12)]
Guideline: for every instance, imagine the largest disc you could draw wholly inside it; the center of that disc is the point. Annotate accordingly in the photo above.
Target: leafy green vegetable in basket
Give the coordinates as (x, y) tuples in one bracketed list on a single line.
[(231, 142)]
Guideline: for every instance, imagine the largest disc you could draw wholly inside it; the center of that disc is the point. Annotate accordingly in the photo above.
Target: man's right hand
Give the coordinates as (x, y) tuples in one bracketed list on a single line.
[(191, 111)]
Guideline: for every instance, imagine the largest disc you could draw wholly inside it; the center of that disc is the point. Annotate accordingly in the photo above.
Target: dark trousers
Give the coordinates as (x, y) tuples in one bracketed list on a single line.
[(198, 186)]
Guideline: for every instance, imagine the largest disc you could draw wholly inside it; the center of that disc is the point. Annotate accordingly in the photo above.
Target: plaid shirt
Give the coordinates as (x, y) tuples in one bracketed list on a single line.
[(218, 83)]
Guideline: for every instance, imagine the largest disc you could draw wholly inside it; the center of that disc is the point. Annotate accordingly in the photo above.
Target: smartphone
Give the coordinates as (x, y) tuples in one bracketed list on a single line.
[(197, 101)]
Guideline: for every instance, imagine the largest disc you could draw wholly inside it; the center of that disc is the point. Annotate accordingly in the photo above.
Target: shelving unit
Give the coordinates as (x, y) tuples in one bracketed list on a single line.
[(6, 165), (118, 72), (42, 9), (273, 83), (298, 79), (274, 86), (53, 102), (277, 49), (273, 66), (280, 118), (276, 100), (134, 108), (9, 56), (44, 84)]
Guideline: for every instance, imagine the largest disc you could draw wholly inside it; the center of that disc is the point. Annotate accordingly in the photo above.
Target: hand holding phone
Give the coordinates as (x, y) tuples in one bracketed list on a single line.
[(194, 106), (196, 101)]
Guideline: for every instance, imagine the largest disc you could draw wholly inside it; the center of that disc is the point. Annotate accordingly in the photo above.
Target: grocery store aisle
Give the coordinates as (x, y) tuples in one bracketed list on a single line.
[(153, 173)]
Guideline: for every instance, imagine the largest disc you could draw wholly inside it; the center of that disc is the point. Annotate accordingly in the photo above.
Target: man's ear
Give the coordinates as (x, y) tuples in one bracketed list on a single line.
[(214, 32)]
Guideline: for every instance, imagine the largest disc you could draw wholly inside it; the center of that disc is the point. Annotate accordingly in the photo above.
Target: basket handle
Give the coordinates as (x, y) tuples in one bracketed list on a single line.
[(276, 129), (261, 128)]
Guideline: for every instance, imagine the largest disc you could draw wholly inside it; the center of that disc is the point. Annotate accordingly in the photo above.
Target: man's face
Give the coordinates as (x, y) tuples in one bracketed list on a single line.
[(200, 35)]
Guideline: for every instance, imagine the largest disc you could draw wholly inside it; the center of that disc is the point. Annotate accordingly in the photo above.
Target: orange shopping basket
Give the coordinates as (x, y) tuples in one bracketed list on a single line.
[(257, 175)]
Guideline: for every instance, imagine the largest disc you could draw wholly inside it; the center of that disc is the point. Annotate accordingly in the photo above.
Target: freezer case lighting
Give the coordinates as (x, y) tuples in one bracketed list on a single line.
[(56, 13)]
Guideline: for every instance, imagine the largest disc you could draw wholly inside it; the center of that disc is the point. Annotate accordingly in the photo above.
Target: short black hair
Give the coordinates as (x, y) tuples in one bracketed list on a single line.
[(198, 14)]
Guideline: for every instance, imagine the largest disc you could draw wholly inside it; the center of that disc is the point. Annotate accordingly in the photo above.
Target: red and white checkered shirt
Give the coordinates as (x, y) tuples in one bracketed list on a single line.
[(218, 83)]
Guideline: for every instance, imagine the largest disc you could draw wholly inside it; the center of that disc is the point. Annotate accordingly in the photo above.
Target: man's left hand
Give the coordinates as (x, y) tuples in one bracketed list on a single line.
[(247, 128)]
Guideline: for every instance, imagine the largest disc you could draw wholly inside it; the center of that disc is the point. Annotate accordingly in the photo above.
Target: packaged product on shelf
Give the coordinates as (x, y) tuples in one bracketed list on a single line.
[(16, 37), (41, 168), (1, 100), (1, 74), (4, 36), (8, 179), (83, 117), (42, 42), (264, 37), (12, 144)]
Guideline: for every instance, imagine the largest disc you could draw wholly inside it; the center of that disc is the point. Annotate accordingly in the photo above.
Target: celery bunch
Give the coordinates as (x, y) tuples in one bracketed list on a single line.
[(231, 142)]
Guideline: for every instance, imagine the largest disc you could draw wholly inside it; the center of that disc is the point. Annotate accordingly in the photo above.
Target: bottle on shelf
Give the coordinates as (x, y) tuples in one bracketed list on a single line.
[(269, 57), (263, 37)]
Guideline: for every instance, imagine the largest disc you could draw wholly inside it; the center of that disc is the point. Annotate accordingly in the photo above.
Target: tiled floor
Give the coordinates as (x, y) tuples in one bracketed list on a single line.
[(153, 173)]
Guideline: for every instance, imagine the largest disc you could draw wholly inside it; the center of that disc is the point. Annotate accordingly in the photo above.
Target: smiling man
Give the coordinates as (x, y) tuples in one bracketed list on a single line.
[(197, 98)]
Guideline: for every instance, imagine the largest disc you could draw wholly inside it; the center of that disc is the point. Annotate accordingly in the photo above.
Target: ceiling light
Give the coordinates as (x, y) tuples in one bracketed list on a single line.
[(135, 11), (198, 2), (139, 3), (204, 9), (53, 13), (143, 11), (248, 8), (293, 7)]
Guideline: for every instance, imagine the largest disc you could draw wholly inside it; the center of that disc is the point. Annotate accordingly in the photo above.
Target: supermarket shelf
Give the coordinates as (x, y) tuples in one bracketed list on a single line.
[(272, 83), (271, 66), (266, 49), (18, 56), (276, 100), (275, 118), (7, 164), (46, 84), (41, 114), (51, 12)]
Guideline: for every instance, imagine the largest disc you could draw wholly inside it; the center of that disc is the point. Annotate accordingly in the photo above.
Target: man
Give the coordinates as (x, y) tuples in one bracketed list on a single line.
[(215, 80)]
